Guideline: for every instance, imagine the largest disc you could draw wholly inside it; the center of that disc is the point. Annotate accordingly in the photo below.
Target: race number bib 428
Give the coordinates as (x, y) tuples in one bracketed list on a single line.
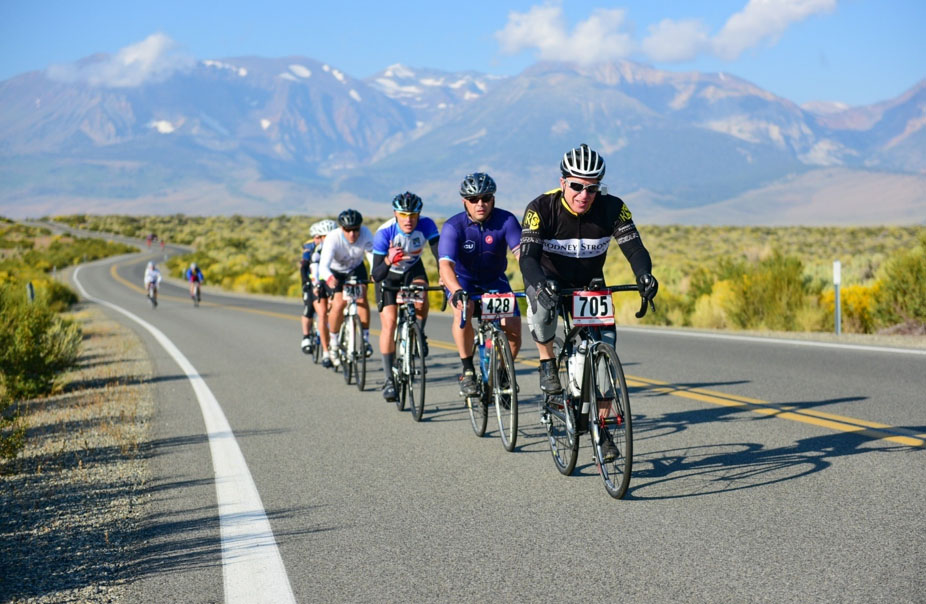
[(592, 308), (498, 306)]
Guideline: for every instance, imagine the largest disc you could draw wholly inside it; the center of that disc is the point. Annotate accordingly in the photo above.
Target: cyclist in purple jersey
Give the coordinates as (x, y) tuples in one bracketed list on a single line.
[(473, 253)]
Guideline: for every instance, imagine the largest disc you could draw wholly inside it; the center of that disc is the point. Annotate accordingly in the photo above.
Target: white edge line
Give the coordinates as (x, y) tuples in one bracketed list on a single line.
[(717, 336), (252, 566)]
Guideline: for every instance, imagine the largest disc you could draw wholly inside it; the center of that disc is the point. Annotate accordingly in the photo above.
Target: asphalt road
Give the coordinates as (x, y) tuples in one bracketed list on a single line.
[(763, 471)]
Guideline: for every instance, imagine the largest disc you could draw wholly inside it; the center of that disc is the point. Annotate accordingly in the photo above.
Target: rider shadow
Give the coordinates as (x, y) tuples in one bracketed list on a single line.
[(726, 467)]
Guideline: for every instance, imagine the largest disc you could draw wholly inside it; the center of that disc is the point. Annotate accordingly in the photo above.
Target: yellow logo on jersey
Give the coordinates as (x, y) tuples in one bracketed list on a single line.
[(626, 216), (531, 221)]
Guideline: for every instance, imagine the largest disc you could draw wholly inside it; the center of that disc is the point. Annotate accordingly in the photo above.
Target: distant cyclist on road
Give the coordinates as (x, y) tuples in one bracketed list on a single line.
[(566, 233), (152, 282), (473, 256), (397, 249), (342, 256), (195, 278)]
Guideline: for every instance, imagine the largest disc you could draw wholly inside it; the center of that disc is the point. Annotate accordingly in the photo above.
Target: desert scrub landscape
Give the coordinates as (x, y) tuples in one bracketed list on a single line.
[(755, 278)]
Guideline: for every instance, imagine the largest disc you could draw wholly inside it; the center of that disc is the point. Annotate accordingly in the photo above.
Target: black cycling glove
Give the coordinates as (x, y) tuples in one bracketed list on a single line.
[(546, 295), (457, 297), (648, 286)]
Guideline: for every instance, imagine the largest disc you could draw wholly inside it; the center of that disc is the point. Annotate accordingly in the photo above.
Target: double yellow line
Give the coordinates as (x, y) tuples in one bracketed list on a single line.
[(838, 423)]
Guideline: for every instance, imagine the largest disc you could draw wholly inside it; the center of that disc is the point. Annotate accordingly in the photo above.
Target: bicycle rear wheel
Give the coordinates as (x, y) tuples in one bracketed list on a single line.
[(560, 423), (360, 355), (316, 345), (478, 407), (416, 372), (608, 388), (504, 385)]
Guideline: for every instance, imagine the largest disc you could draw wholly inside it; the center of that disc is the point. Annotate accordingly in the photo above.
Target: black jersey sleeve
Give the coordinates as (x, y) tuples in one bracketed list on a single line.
[(304, 266), (628, 239), (380, 269), (531, 245)]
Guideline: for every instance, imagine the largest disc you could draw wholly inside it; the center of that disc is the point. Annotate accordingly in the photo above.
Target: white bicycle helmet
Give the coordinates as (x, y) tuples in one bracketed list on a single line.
[(326, 226), (582, 162)]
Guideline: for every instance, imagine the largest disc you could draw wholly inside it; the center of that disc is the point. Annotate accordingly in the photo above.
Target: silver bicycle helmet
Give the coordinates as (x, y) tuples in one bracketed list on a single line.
[(582, 162), (477, 184)]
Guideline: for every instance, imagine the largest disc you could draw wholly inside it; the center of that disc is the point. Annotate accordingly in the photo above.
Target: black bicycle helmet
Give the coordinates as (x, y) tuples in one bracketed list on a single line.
[(407, 202), (477, 184), (582, 162), (350, 219)]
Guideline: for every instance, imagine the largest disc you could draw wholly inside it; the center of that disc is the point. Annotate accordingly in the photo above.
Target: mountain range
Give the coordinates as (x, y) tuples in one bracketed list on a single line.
[(267, 136)]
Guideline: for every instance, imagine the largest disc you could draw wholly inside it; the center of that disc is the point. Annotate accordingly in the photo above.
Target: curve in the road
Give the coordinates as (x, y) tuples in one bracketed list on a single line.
[(252, 567)]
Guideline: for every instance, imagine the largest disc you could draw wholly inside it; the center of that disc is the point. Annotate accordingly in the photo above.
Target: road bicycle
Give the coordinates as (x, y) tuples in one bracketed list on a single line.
[(595, 398), (351, 346), (153, 295), (195, 294), (408, 370), (315, 343), (498, 383)]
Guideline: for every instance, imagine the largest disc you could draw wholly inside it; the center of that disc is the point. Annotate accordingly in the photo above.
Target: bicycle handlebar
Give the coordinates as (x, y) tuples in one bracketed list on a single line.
[(611, 289)]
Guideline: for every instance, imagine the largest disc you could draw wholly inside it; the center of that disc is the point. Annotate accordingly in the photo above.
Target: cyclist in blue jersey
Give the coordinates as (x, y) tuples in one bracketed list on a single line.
[(397, 248), (308, 272), (473, 255), (194, 276)]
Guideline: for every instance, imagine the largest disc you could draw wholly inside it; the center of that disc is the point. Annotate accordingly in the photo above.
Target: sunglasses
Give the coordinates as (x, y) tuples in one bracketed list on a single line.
[(406, 214), (486, 199), (353, 230), (578, 187)]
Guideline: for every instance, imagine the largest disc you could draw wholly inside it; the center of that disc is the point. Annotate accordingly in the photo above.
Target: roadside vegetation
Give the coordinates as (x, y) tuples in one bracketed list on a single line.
[(36, 341), (755, 278)]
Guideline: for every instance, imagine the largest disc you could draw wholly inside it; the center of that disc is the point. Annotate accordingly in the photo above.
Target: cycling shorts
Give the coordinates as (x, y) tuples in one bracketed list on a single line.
[(360, 272), (387, 297)]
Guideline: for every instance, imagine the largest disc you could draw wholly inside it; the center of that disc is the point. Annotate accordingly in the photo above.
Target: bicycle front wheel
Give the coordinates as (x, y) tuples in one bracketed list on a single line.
[(360, 355), (344, 346), (504, 384), (398, 373), (416, 372), (609, 419)]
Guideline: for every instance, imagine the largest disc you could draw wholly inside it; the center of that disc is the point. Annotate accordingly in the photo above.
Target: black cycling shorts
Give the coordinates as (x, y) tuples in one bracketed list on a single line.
[(360, 272), (387, 297)]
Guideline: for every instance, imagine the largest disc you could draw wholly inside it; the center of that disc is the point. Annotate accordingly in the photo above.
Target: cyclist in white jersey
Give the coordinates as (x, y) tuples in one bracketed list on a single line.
[(342, 256)]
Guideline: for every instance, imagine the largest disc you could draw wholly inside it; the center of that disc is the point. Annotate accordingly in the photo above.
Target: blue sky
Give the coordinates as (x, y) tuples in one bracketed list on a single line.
[(851, 51)]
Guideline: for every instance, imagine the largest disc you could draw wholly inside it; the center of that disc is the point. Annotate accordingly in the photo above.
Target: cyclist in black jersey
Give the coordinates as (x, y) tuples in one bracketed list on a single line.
[(565, 237)]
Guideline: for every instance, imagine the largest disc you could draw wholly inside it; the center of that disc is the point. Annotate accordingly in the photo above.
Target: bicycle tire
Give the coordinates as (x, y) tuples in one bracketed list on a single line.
[(317, 345), (504, 384), (564, 443), (360, 355), (346, 360), (416, 372), (398, 373), (478, 408), (609, 385)]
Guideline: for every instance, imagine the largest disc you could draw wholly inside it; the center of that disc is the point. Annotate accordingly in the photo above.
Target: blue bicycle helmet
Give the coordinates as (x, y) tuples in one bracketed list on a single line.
[(407, 202)]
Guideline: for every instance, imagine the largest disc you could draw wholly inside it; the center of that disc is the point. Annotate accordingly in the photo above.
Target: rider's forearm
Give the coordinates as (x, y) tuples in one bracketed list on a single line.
[(448, 276), (380, 269), (529, 262)]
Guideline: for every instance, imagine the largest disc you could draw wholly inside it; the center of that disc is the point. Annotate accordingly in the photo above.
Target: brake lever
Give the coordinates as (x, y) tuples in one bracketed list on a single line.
[(642, 312)]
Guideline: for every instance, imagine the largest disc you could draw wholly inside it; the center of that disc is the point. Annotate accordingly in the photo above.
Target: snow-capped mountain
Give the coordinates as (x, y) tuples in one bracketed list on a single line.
[(261, 135)]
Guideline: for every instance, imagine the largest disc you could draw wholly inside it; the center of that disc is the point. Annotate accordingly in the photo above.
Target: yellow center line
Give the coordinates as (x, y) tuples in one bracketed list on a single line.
[(839, 423)]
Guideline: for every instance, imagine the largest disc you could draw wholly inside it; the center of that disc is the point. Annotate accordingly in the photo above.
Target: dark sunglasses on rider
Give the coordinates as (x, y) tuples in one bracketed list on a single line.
[(578, 187), (353, 230), (486, 199)]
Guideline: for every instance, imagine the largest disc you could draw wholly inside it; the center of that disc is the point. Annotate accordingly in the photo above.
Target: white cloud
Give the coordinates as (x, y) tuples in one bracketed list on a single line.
[(605, 35), (598, 38), (153, 60), (675, 40), (763, 20)]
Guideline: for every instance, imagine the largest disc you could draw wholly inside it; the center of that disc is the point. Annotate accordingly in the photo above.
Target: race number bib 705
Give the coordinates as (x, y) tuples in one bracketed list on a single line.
[(498, 306), (592, 308)]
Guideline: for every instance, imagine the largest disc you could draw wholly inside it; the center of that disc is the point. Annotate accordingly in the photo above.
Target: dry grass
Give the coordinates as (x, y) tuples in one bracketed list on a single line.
[(71, 501)]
